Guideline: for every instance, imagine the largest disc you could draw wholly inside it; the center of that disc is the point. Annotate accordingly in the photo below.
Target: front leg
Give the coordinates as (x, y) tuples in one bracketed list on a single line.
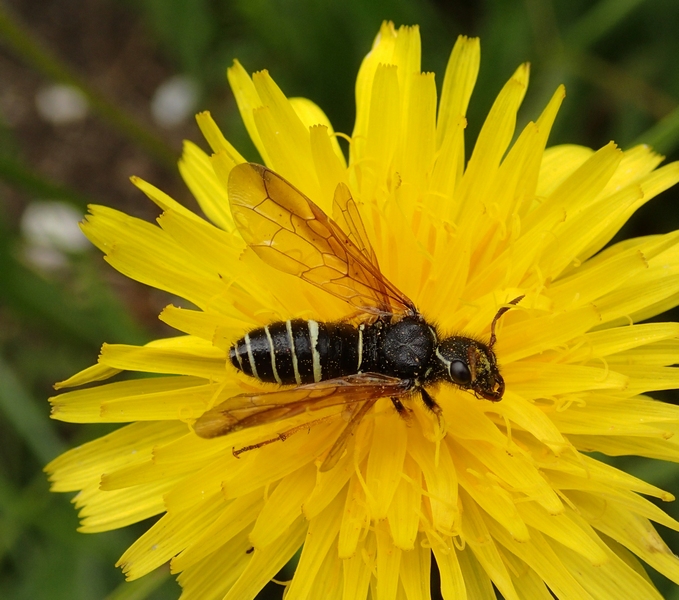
[(430, 403)]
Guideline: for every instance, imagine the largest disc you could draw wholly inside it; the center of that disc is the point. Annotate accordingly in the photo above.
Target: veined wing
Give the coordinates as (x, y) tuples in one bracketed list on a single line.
[(337, 449), (250, 410), (291, 233), (347, 217)]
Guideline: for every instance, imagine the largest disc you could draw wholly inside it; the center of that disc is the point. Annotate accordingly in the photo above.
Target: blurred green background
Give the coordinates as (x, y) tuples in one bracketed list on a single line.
[(59, 301)]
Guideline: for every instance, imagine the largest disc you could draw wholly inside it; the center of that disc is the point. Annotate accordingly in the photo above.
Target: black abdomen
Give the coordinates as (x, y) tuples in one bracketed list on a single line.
[(299, 351)]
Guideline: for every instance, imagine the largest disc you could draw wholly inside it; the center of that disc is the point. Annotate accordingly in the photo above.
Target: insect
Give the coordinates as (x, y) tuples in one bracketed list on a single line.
[(389, 351)]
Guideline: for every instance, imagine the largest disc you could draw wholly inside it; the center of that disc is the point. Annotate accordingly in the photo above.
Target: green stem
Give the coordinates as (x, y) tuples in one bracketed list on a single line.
[(598, 21), (619, 83), (16, 174), (27, 416), (31, 51), (663, 137), (140, 588)]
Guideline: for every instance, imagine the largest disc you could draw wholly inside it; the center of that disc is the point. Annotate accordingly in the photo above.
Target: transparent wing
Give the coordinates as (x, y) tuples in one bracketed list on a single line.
[(250, 410), (340, 444), (347, 217), (291, 233)]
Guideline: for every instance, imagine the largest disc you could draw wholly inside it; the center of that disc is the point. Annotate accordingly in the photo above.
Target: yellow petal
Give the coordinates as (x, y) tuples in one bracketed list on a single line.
[(220, 330), (590, 281), (544, 560), (381, 53), (661, 448), (87, 405), (458, 84), (528, 379), (329, 483), (385, 462), (594, 470), (453, 583), (418, 138), (169, 535), (651, 186), (248, 101), (531, 169), (96, 372), (478, 584), (283, 506), (479, 540), (564, 530), (528, 583), (612, 579), (284, 136), (542, 332), (201, 360), (329, 581), (266, 562), (388, 564), (415, 571), (215, 137), (145, 253), (312, 116), (320, 536), (211, 578), (357, 569), (403, 520), (440, 476), (558, 163), (480, 484), (232, 523), (355, 519), (491, 144), (84, 465), (382, 131), (407, 52), (198, 174), (519, 472), (578, 190), (530, 418), (158, 196), (104, 511), (330, 169)]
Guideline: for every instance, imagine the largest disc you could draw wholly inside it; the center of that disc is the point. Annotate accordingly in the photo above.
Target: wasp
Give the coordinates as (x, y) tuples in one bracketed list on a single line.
[(388, 350)]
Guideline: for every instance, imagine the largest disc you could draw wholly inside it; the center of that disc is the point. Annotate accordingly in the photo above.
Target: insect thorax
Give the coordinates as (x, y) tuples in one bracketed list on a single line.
[(405, 348)]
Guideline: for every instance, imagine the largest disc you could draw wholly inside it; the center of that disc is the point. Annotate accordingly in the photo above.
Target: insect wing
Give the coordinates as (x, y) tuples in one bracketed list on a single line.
[(349, 223), (250, 410), (347, 217), (340, 444), (291, 233)]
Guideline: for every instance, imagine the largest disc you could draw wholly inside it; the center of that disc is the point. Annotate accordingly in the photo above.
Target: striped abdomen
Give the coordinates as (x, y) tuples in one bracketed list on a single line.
[(299, 351)]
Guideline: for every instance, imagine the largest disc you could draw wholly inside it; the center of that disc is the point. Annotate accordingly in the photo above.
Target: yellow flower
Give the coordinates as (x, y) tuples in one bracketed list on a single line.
[(499, 493)]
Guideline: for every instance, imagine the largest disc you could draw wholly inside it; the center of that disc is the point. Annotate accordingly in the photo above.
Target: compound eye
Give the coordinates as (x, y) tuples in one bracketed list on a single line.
[(459, 373)]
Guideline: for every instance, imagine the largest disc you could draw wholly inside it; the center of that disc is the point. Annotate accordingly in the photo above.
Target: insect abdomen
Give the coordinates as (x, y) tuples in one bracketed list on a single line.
[(298, 351)]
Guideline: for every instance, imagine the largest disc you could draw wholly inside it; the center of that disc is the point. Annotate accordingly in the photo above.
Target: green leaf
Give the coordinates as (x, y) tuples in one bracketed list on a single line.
[(663, 137), (27, 416)]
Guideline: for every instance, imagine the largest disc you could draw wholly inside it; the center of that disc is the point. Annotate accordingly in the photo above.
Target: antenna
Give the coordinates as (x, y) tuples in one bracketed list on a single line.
[(501, 312)]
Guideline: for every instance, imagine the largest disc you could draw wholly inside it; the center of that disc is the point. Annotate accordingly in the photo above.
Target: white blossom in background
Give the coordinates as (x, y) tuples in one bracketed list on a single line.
[(61, 104), (174, 101), (51, 231)]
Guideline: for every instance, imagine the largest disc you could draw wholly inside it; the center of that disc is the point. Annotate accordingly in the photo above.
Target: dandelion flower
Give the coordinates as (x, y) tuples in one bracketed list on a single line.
[(500, 494)]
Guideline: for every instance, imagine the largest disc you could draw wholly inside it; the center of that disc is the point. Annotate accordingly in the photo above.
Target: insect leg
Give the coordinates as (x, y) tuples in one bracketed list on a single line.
[(281, 437), (430, 403), (401, 409)]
